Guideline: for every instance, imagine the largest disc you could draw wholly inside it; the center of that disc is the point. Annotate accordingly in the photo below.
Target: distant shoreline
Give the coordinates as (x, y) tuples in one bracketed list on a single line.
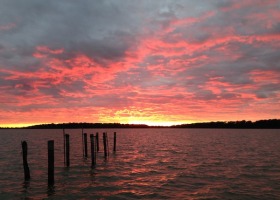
[(260, 124)]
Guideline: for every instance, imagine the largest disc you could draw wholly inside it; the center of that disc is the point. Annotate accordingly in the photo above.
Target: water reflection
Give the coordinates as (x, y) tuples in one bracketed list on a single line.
[(25, 186), (50, 191)]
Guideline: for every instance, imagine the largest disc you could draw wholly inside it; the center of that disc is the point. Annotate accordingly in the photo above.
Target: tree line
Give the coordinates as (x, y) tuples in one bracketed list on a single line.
[(260, 124)]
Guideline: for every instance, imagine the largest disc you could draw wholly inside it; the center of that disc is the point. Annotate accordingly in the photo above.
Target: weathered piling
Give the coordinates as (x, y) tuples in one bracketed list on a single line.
[(50, 162), (83, 142), (85, 145), (93, 150), (105, 145), (115, 141), (64, 146), (25, 164), (97, 142), (67, 150)]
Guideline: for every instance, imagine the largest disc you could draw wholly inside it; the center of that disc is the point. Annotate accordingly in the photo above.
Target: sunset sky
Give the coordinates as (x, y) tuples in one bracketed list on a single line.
[(150, 62)]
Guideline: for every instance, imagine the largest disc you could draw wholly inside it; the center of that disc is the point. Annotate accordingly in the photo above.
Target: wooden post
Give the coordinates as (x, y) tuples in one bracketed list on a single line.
[(64, 146), (93, 151), (25, 164), (67, 150), (115, 141), (85, 145), (50, 162), (83, 142), (105, 144), (97, 142)]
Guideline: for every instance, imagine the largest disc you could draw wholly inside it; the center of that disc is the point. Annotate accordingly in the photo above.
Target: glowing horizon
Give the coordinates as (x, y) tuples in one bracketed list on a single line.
[(146, 62)]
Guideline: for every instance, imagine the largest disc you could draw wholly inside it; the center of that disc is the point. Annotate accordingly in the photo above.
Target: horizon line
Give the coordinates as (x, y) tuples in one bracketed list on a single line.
[(131, 124)]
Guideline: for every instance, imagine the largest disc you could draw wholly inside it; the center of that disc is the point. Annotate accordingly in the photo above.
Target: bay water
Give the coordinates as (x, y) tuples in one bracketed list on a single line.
[(154, 163)]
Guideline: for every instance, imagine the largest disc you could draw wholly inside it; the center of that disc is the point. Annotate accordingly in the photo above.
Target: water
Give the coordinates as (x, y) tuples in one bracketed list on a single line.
[(148, 164)]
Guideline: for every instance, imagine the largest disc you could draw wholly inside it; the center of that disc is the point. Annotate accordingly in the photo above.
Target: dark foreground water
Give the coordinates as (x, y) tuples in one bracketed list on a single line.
[(148, 164)]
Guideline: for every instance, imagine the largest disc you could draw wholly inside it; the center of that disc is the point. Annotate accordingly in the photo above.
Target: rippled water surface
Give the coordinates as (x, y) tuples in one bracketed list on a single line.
[(148, 164)]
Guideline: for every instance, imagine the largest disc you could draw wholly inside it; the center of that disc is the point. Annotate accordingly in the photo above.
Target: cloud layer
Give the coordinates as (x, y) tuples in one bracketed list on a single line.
[(139, 62)]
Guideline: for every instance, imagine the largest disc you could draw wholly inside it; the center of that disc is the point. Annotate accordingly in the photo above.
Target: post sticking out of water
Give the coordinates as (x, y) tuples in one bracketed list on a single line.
[(93, 150), (64, 146), (67, 150), (25, 164), (105, 145), (115, 141), (83, 142), (97, 142), (50, 162), (85, 145)]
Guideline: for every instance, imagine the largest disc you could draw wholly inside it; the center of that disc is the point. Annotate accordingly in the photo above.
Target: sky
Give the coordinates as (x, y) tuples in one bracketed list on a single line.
[(160, 62)]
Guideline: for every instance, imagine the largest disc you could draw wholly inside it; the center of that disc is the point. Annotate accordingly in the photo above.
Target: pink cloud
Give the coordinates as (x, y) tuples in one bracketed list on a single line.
[(178, 67), (7, 27), (265, 77)]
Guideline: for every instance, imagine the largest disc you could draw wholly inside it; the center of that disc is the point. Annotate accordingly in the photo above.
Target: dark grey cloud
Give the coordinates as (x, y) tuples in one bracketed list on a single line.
[(99, 29), (102, 25)]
